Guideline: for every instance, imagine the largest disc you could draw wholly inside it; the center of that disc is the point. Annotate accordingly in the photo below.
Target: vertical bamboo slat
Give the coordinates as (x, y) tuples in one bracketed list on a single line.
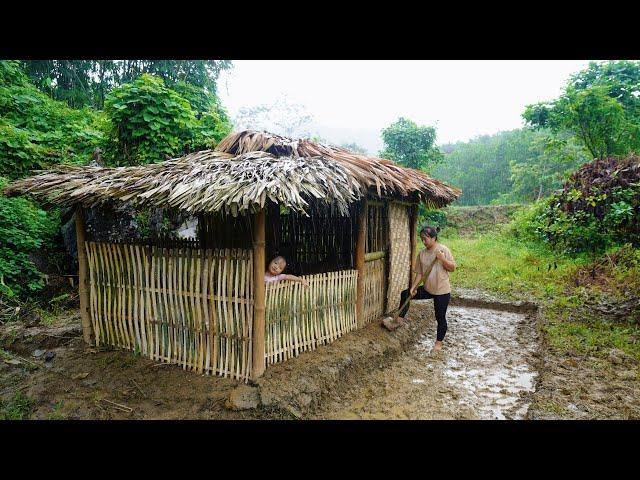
[(413, 225), (360, 250), (259, 295), (83, 278)]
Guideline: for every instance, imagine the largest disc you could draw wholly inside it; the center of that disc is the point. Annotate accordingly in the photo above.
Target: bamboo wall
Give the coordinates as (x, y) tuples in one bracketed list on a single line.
[(399, 253), (374, 289), (375, 273), (192, 307), (299, 318)]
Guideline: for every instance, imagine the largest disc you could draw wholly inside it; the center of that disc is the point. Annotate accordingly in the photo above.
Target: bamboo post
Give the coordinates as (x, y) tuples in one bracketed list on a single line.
[(360, 241), (413, 224), (258, 362), (83, 290)]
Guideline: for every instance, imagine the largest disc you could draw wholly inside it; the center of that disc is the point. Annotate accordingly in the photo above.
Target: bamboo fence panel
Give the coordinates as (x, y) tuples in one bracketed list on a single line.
[(399, 253), (298, 319), (374, 289), (192, 307)]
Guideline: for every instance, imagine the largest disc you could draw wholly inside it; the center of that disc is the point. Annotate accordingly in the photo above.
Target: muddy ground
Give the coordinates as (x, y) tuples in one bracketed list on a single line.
[(486, 370), (493, 365)]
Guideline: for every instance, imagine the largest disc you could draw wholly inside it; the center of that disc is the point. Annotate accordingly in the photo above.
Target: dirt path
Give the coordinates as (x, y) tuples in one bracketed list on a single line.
[(485, 371)]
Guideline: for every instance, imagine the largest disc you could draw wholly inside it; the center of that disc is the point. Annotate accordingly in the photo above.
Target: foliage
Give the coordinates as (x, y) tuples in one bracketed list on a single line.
[(549, 160), (23, 229), (595, 337), (600, 106), (18, 408), (431, 217), (281, 117), (509, 167), (411, 145), (36, 131), (598, 207), (213, 125), (150, 122), (517, 269), (87, 82)]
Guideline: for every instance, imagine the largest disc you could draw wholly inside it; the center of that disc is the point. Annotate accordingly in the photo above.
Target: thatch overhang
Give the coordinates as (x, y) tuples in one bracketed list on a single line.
[(240, 175)]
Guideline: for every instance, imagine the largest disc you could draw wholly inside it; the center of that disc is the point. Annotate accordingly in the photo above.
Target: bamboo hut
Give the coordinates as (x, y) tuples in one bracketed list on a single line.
[(346, 222)]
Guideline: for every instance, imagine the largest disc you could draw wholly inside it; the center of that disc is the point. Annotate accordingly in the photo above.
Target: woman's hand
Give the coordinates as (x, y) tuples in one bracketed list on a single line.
[(413, 291), (304, 282), (440, 255)]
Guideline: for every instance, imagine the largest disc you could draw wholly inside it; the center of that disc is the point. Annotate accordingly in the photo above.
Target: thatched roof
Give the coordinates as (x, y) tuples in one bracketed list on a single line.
[(245, 170)]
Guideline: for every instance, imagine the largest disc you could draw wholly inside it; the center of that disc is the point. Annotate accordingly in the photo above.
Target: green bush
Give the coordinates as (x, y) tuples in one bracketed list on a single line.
[(24, 228), (598, 208), (432, 217), (37, 132), (149, 122)]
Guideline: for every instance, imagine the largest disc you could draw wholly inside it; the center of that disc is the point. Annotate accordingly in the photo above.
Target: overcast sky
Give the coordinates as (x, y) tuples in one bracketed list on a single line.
[(461, 98)]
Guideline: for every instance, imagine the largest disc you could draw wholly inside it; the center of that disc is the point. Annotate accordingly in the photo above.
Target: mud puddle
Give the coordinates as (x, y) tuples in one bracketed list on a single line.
[(484, 371)]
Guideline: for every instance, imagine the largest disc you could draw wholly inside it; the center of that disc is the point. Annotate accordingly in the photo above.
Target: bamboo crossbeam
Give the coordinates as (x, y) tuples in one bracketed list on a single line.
[(373, 256), (360, 261)]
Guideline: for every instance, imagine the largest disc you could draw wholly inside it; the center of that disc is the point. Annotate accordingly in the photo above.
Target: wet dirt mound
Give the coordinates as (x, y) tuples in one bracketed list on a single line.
[(301, 384)]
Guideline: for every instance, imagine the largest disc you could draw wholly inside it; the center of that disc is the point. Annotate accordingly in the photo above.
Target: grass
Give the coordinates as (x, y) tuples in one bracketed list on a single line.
[(595, 338), (495, 262), (56, 413), (17, 408)]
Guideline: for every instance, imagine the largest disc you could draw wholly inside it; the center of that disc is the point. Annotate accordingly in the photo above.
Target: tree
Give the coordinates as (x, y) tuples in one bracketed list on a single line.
[(87, 82), (599, 105), (37, 131), (411, 145), (281, 117), (515, 166), (149, 122)]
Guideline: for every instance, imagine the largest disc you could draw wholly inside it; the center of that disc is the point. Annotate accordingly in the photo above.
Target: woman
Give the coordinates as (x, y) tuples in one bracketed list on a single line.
[(436, 285)]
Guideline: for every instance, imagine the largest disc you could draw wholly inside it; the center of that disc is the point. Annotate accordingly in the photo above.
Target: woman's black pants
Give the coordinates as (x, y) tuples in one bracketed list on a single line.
[(440, 304)]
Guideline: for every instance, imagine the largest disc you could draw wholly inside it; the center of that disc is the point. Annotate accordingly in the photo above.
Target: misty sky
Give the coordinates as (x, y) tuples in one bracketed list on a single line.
[(461, 98)]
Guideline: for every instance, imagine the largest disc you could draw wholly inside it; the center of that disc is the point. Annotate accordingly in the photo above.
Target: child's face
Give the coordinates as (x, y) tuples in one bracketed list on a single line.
[(277, 266)]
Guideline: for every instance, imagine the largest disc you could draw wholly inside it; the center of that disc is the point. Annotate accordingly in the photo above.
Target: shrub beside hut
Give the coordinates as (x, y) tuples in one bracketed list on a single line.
[(345, 222)]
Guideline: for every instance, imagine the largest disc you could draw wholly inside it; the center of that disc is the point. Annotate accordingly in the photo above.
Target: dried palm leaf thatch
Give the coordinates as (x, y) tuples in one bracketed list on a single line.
[(383, 175), (204, 181), (245, 170)]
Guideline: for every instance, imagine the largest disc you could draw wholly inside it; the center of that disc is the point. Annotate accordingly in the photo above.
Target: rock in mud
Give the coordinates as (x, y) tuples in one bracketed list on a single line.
[(243, 397), (38, 353)]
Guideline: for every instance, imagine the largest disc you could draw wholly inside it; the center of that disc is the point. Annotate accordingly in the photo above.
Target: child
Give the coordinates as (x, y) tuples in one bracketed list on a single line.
[(274, 272)]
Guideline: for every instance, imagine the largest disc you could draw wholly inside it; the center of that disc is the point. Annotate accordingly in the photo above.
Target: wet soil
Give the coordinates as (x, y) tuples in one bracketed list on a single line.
[(486, 370), (493, 365), (85, 383)]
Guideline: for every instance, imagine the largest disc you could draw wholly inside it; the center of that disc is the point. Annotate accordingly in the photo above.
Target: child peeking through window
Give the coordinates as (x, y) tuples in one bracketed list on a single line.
[(274, 272)]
